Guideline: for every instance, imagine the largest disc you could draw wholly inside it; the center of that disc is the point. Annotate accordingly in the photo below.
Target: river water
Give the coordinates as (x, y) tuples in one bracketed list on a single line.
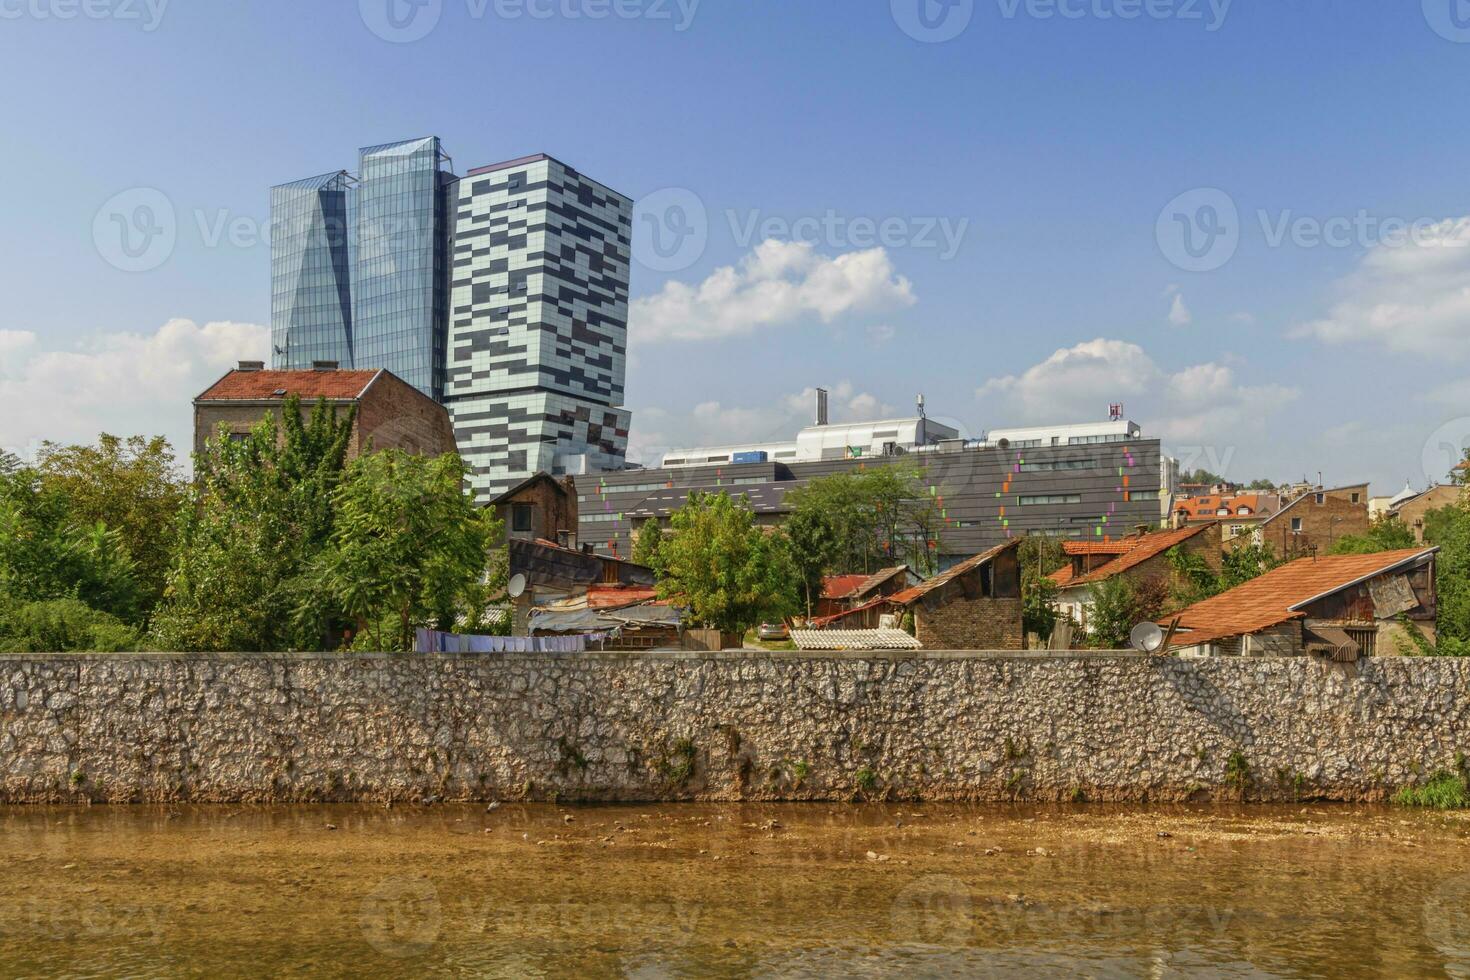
[(739, 891)]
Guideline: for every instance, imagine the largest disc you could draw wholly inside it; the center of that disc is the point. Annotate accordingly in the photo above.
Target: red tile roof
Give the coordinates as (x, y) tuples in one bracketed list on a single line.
[(909, 596), (1201, 508), (1063, 575), (263, 385), (1144, 547), (1106, 547), (841, 586), (1275, 597)]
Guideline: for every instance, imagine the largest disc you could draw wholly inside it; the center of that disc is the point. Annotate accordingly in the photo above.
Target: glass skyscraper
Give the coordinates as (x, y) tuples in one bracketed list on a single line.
[(399, 273), (311, 296), (502, 295)]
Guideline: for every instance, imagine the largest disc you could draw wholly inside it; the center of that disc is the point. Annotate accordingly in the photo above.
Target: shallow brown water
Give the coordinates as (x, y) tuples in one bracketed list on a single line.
[(734, 891)]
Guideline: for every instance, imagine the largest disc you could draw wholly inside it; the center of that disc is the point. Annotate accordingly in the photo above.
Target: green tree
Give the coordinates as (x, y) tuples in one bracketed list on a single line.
[(48, 552), (1193, 579), (1387, 533), (10, 463), (814, 545), (1113, 613), (1039, 611), (130, 485), (866, 520), (257, 517), (408, 549), (650, 539), (61, 625), (1449, 529), (729, 573), (1243, 564)]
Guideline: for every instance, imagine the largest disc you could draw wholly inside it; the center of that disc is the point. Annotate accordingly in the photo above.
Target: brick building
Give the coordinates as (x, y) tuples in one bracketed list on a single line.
[(1313, 522), (1413, 511), (391, 414), (1141, 559), (542, 507), (975, 605)]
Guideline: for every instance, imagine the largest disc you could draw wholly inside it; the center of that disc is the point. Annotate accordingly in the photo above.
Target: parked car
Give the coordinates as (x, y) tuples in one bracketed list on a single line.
[(773, 631)]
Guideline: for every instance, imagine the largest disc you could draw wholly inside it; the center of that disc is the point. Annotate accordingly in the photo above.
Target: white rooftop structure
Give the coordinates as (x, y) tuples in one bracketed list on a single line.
[(1079, 434)]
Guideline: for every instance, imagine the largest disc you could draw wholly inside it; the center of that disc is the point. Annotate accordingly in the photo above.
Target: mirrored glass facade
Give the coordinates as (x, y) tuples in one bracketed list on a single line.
[(311, 297), (399, 277)]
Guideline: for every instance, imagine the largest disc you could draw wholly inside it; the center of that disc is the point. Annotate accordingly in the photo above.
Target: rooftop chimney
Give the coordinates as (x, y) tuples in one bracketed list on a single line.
[(325, 365), (921, 407), (252, 365), (821, 406)]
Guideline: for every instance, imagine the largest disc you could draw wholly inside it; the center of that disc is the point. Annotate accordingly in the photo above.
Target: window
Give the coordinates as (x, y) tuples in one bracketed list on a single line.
[(1356, 497), (1296, 524), (1052, 498), (1061, 464), (521, 517), (1321, 499)]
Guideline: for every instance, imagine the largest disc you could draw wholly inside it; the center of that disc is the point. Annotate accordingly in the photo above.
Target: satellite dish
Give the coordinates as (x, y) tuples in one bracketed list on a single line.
[(1004, 444), (1146, 638), (516, 587)]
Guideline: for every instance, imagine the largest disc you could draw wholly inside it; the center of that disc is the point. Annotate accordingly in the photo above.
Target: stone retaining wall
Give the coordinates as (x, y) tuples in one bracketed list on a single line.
[(638, 727)]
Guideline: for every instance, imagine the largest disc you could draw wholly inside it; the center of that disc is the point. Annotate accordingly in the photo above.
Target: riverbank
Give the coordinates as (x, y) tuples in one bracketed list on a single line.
[(613, 727), (719, 889)]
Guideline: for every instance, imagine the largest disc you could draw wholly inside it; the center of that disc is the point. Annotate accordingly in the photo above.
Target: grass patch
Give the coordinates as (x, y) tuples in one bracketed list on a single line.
[(866, 780), (1443, 791), (1238, 772)]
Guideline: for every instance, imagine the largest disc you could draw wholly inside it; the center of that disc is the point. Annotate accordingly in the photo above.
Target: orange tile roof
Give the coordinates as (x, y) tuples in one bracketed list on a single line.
[(841, 586), (263, 385), (1146, 547), (1275, 597), (1105, 547), (1063, 576), (1201, 507)]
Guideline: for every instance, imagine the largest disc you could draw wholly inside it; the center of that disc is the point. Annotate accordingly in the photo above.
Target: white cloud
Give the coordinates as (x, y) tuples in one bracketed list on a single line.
[(1201, 402), (777, 284), (712, 423), (1411, 296), (1179, 314), (881, 333), (123, 383)]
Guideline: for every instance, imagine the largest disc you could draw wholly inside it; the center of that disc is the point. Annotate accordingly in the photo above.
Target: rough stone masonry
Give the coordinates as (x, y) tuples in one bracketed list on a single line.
[(642, 727)]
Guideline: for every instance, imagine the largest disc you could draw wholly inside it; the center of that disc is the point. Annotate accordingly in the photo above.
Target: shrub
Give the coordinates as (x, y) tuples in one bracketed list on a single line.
[(1444, 791), (61, 626)]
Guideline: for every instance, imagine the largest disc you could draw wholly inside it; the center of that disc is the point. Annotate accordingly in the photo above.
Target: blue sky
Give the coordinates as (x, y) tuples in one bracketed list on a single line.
[(1047, 145)]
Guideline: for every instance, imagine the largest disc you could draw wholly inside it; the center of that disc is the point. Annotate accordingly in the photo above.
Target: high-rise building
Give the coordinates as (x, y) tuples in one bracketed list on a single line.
[(502, 295), (399, 270), (539, 322), (311, 298)]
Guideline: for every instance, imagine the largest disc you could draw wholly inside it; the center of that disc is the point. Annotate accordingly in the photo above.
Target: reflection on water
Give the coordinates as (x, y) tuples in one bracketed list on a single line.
[(756, 891)]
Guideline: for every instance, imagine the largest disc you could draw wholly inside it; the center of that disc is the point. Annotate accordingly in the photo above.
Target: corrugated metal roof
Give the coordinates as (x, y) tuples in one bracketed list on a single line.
[(853, 640)]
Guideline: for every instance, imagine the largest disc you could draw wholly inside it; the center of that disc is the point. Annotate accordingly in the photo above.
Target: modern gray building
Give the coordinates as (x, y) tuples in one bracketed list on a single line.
[(502, 295), (1088, 482), (539, 323)]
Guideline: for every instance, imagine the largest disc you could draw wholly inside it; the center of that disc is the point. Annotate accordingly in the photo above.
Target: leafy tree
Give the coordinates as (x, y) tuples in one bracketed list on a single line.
[(1449, 528), (130, 485), (1243, 564), (1387, 533), (814, 542), (257, 517), (730, 573), (10, 463), (48, 552), (1113, 613), (408, 547), (650, 539), (1193, 578), (1043, 552), (61, 625), (869, 519), (1039, 611)]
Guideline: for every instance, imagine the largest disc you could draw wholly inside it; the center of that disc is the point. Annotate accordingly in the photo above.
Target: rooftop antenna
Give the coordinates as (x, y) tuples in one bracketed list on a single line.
[(821, 406), (921, 407)]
